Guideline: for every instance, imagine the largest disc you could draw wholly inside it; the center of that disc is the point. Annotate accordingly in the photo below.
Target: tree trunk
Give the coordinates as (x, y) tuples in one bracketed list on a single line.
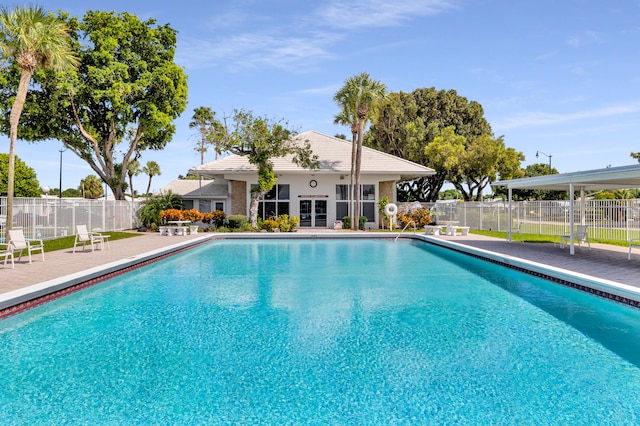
[(358, 166), (148, 185), (352, 190), (253, 208), (14, 118)]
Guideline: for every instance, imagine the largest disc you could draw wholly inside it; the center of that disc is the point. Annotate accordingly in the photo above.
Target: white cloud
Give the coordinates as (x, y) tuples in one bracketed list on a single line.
[(299, 44), (379, 13), (252, 50), (549, 119), (584, 38)]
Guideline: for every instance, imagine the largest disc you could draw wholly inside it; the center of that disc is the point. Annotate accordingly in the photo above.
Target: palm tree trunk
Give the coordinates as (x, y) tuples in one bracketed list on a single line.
[(14, 118), (149, 185), (352, 189), (358, 166)]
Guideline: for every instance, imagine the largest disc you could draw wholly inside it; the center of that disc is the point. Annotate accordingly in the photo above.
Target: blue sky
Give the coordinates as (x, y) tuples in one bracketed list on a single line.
[(560, 77)]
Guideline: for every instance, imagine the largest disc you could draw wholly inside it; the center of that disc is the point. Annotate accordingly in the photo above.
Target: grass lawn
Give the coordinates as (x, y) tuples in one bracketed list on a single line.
[(537, 238), (67, 242)]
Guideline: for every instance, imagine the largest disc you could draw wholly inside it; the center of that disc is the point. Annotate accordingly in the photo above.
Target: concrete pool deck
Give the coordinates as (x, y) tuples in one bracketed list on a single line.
[(62, 267)]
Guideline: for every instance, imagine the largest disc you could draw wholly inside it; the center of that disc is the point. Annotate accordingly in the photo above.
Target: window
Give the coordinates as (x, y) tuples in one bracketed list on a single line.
[(275, 202), (219, 206), (187, 204), (204, 206), (367, 201)]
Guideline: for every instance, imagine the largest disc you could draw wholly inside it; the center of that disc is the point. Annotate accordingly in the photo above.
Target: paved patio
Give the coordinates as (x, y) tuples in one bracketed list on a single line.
[(603, 262)]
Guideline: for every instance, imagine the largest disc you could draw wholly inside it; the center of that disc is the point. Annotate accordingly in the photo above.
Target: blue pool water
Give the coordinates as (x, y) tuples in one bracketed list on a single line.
[(322, 332)]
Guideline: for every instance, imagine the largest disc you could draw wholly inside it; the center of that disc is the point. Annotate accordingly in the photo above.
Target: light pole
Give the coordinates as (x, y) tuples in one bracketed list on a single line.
[(60, 194), (547, 155)]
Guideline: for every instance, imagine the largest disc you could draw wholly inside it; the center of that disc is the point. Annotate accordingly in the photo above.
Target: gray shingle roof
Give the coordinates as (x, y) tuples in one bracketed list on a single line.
[(334, 155), (191, 188)]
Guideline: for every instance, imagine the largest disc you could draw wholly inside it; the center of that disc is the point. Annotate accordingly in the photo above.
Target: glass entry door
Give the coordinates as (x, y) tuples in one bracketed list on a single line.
[(313, 213)]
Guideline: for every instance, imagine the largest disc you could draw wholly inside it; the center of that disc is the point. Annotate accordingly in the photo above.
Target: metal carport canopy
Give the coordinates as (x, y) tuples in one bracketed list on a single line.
[(607, 178)]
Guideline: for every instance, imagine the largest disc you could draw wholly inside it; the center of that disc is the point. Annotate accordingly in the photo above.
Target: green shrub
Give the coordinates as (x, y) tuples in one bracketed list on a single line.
[(346, 222), (238, 221), (223, 229), (287, 223), (149, 212)]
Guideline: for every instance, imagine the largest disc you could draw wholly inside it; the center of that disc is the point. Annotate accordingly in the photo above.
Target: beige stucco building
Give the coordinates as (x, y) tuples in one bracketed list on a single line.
[(318, 197)]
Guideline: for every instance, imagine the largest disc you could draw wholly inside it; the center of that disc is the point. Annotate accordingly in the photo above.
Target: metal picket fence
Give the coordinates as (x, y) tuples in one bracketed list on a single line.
[(48, 218), (606, 219)]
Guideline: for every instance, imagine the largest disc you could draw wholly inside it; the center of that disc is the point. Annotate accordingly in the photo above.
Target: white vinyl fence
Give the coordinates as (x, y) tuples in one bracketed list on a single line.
[(606, 219), (48, 218)]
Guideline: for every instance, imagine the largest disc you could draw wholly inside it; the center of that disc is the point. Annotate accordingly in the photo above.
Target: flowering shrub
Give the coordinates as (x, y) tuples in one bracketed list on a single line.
[(192, 215), (269, 225), (217, 218), (421, 217), (171, 214)]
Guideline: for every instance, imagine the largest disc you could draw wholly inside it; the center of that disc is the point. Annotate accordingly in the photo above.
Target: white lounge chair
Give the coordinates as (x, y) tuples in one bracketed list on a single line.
[(95, 239), (6, 252), (581, 235), (19, 243)]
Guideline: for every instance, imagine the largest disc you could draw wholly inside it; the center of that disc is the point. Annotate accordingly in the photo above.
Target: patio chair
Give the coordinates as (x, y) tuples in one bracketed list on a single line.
[(19, 242), (7, 253), (581, 235), (83, 236)]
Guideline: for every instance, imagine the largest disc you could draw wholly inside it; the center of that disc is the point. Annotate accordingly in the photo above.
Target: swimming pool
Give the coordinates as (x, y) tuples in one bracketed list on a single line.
[(322, 332)]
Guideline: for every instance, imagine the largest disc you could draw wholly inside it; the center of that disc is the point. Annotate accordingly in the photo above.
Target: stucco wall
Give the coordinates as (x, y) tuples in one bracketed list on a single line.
[(386, 190), (238, 197)]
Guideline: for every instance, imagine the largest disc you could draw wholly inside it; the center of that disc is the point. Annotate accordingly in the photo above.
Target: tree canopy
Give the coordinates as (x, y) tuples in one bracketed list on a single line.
[(444, 131), (261, 140), (121, 101), (26, 181)]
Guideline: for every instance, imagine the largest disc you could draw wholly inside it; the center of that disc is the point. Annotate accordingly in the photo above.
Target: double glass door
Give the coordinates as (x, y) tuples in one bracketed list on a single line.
[(313, 213)]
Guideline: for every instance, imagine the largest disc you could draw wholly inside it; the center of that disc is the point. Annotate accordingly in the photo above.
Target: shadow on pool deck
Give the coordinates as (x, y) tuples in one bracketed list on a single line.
[(602, 261)]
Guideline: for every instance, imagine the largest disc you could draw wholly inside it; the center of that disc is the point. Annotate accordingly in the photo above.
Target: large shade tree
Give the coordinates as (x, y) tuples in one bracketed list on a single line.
[(359, 100), (30, 39), (408, 122), (26, 180), (261, 140), (121, 101)]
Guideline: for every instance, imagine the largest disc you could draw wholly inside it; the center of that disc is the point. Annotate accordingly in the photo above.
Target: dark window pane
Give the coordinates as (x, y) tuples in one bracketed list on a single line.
[(187, 204), (342, 210), (283, 192), (204, 206), (271, 195), (342, 192), (368, 192), (269, 209), (283, 208), (369, 210)]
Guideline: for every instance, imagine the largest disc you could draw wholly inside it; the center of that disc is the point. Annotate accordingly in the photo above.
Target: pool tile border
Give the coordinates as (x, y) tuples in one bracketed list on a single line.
[(75, 285), (598, 287)]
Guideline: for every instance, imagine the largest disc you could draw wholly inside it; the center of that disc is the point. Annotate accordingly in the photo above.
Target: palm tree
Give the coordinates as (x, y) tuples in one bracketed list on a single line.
[(359, 98), (91, 187), (152, 169), (133, 169), (204, 120), (32, 40)]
